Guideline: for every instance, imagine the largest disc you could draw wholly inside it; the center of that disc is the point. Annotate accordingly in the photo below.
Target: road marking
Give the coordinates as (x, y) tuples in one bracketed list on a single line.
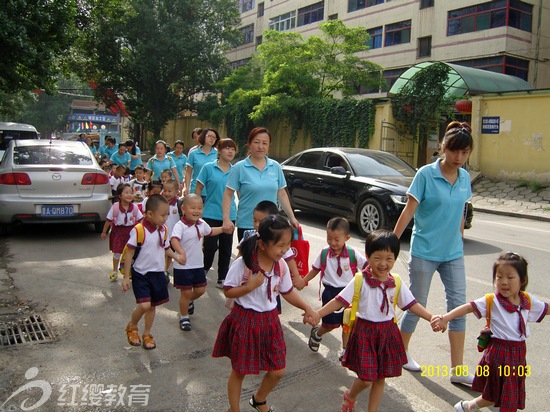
[(511, 242), (515, 226)]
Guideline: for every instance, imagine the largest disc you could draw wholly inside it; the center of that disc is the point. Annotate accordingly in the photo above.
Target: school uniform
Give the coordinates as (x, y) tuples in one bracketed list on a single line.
[(190, 235), (124, 160), (196, 160), (254, 186), (148, 280), (180, 161), (139, 189), (137, 161), (173, 215), (507, 347), (251, 335), (156, 166), (375, 349), (335, 277), (123, 220), (115, 181)]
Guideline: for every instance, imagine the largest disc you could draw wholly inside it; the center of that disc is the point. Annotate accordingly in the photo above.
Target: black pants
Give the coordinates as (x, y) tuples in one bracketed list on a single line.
[(223, 244)]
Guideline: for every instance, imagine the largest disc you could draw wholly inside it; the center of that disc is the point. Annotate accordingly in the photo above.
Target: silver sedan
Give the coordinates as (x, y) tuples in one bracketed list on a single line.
[(52, 181)]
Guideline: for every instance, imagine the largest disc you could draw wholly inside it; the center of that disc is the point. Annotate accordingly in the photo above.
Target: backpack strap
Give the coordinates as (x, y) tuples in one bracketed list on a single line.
[(116, 211), (398, 283), (178, 204), (489, 302), (357, 284), (352, 259)]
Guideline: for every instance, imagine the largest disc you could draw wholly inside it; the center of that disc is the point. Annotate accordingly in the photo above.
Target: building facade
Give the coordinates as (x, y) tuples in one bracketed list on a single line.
[(504, 36)]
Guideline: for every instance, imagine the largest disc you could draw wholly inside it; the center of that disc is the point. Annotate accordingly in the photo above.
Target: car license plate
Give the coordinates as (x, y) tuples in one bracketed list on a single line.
[(57, 210)]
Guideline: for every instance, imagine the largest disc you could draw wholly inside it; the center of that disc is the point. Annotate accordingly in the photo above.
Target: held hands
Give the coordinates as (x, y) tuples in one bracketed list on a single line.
[(228, 226), (298, 282), (438, 324), (311, 317)]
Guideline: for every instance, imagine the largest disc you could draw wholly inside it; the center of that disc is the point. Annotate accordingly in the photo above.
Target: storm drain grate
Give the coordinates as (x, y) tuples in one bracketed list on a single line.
[(24, 330)]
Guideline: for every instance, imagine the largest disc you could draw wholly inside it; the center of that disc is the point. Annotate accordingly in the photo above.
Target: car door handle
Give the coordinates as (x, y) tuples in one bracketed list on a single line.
[(319, 179), (291, 174)]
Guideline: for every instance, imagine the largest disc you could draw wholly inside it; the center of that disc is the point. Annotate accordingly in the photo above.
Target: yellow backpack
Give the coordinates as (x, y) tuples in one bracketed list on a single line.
[(140, 238)]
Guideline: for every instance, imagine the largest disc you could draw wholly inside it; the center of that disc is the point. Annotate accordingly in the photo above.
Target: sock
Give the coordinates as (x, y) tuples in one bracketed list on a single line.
[(182, 317), (472, 405)]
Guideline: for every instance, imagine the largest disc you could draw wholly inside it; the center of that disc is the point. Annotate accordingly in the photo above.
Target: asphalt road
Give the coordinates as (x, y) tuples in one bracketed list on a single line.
[(61, 273)]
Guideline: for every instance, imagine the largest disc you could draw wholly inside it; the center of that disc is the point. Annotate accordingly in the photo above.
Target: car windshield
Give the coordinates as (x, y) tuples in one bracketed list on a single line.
[(379, 164), (51, 155)]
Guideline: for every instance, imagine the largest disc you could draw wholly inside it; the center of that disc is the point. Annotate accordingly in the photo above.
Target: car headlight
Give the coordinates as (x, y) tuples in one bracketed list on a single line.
[(399, 199)]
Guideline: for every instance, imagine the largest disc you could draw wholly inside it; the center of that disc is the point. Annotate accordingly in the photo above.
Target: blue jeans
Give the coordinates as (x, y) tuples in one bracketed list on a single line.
[(453, 276)]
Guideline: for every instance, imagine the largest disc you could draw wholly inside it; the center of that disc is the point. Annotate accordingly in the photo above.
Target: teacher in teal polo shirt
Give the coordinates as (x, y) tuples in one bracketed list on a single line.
[(255, 178)]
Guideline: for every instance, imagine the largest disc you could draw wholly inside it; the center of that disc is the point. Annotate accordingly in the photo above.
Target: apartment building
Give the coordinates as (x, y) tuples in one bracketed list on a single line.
[(504, 36)]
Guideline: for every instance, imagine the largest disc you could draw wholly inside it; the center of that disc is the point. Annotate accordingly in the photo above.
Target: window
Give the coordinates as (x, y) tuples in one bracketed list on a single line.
[(309, 160), (238, 63), (311, 14), (248, 33), (425, 46), (333, 17), (424, 4), (398, 33), (375, 41), (283, 22), (490, 15), (354, 5), (259, 40), (246, 5), (260, 9), (500, 64)]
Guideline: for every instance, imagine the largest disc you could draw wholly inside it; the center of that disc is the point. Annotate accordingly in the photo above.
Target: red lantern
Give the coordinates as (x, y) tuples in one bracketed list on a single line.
[(464, 106)]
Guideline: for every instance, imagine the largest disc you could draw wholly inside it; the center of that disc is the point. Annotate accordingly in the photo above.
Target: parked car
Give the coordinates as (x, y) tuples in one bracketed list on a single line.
[(52, 181)]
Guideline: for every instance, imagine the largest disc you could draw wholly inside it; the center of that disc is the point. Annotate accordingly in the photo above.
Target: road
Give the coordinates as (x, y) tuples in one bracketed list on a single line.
[(61, 273)]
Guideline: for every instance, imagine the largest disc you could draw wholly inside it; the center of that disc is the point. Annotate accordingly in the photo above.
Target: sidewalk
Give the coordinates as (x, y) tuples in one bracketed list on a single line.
[(510, 198)]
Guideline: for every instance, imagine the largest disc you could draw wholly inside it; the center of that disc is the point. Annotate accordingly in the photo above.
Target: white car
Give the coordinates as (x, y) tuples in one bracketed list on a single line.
[(52, 181)]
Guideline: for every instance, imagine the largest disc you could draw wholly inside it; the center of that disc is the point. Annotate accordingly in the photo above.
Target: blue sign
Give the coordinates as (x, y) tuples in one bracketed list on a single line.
[(490, 125), (97, 118)]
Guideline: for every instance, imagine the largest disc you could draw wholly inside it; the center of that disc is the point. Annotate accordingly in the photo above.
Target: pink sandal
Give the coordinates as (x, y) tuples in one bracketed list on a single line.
[(348, 405)]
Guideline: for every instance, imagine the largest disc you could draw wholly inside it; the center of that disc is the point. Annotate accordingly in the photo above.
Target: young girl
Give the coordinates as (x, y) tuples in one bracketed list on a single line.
[(165, 175), (500, 374), (375, 350), (153, 188), (251, 335), (121, 218)]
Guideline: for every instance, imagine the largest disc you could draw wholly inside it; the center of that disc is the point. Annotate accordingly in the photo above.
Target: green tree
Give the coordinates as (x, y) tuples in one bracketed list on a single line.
[(156, 54), (33, 37)]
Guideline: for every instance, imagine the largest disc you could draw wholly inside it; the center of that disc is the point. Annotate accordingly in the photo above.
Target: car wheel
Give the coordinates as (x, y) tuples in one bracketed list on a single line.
[(370, 217), (98, 227), (4, 229)]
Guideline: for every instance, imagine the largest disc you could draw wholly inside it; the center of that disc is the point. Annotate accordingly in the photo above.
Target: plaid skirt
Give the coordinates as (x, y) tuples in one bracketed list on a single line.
[(507, 392), (375, 350), (118, 238), (252, 340)]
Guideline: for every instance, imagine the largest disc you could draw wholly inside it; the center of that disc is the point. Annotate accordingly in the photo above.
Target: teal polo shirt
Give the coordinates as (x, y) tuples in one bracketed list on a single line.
[(157, 166), (436, 232), (215, 179), (181, 161), (123, 160), (254, 186), (136, 162), (196, 160), (107, 151)]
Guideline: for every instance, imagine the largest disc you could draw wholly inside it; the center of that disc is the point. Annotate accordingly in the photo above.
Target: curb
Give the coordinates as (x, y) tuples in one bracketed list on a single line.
[(511, 214)]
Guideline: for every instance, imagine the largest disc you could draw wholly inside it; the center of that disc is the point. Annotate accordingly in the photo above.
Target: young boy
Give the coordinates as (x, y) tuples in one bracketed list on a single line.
[(186, 240), (148, 270), (139, 184), (116, 179), (261, 211), (338, 264), (170, 192), (165, 175)]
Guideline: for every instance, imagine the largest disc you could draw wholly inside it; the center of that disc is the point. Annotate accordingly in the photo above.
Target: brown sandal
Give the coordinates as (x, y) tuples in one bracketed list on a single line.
[(148, 340), (132, 335)]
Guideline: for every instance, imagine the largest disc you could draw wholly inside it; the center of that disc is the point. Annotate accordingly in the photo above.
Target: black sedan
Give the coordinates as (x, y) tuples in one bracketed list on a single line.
[(367, 187)]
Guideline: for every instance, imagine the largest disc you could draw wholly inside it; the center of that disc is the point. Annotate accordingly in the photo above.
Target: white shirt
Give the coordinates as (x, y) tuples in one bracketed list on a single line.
[(371, 299), (173, 217), (131, 218), (191, 243), (331, 277), (151, 255), (505, 325), (257, 299)]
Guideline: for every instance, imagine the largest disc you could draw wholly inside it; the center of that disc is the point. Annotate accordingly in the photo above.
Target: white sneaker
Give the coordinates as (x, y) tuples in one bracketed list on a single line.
[(459, 407), (461, 379), (411, 364), (341, 354)]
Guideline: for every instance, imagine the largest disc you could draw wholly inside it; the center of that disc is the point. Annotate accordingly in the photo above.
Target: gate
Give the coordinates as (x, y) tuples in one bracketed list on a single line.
[(391, 141)]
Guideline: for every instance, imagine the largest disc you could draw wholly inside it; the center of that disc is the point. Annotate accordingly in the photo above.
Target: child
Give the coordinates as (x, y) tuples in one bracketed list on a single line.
[(121, 218), (165, 175), (170, 190), (139, 184), (251, 335), (148, 271), (375, 350), (116, 179), (262, 210), (338, 264), (187, 239), (500, 374), (153, 188)]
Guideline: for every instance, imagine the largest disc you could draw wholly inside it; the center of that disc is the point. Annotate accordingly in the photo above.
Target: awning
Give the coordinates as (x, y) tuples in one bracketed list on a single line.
[(464, 80)]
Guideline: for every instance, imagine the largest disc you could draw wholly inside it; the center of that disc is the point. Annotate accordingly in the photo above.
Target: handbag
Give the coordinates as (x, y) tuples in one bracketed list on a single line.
[(300, 247)]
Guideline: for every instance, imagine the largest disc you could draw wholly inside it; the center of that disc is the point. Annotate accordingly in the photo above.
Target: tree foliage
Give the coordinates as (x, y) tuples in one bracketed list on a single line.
[(297, 80), (156, 54), (33, 37)]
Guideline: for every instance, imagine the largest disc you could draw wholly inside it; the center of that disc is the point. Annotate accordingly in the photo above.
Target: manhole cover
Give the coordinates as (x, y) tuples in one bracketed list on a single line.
[(23, 330)]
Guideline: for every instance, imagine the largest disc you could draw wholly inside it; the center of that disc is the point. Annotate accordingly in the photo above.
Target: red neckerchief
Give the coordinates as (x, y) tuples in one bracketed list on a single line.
[(343, 254), (189, 224), (256, 268), (122, 210), (152, 228), (375, 283), (174, 201), (510, 307)]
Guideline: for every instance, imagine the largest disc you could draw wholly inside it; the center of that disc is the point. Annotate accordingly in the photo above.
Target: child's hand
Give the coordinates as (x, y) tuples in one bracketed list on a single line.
[(298, 282), (126, 284), (256, 280), (103, 236), (438, 324), (311, 317), (181, 258)]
